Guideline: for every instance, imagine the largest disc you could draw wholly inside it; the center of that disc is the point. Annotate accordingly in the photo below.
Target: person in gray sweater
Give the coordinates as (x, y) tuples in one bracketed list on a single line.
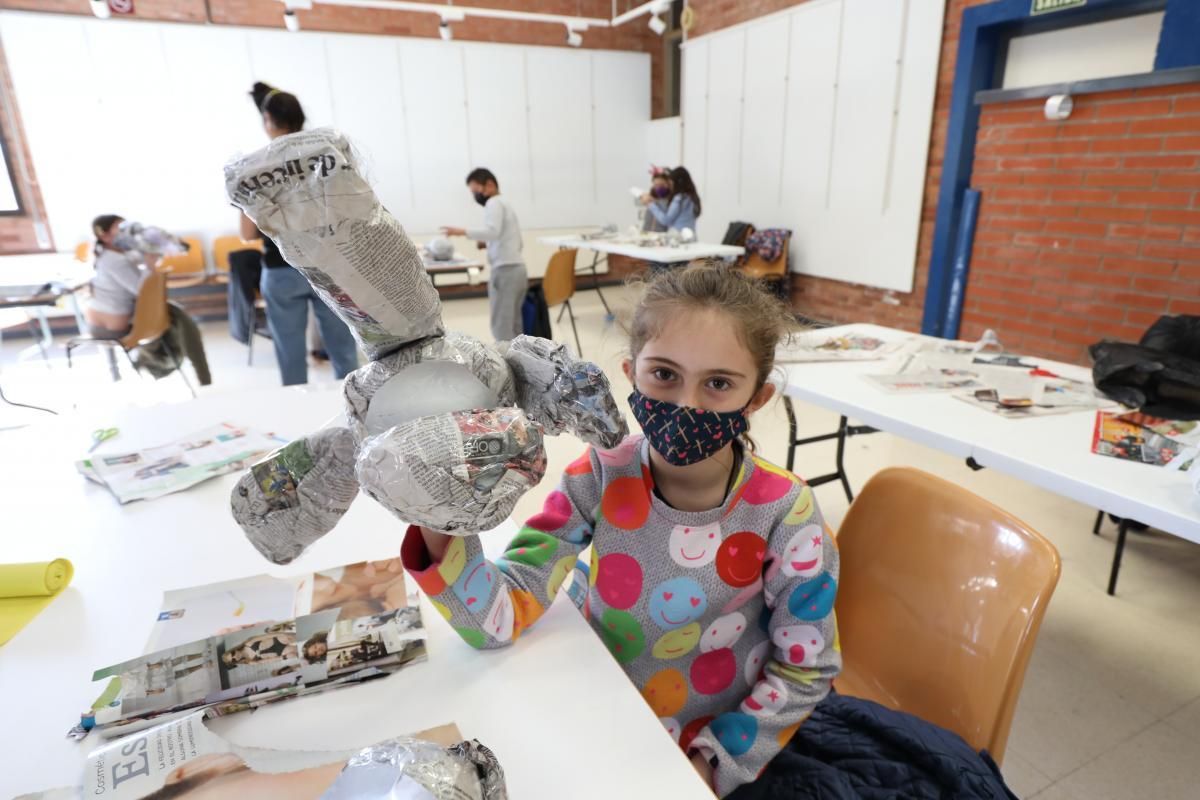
[(501, 233)]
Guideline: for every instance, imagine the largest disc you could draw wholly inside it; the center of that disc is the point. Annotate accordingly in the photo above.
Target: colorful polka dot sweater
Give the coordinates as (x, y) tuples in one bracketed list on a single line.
[(723, 619)]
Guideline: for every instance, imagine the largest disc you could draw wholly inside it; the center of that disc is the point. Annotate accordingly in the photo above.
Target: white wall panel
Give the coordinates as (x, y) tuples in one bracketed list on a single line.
[(561, 134), (720, 186)]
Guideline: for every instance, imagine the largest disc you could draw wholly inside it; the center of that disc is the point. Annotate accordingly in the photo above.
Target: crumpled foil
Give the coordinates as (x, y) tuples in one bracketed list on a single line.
[(460, 472), (410, 769), (563, 393)]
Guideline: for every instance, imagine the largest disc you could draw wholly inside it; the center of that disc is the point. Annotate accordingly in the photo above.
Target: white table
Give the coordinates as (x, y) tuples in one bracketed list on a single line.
[(557, 710), (1053, 452), (657, 255), (458, 265)]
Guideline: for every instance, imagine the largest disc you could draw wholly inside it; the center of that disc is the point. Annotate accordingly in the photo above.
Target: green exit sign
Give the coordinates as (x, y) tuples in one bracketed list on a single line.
[(1047, 6)]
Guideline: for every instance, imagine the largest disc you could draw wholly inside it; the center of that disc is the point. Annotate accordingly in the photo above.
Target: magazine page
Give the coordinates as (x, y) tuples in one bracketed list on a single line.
[(158, 471), (1119, 438), (816, 346), (350, 622), (184, 759)]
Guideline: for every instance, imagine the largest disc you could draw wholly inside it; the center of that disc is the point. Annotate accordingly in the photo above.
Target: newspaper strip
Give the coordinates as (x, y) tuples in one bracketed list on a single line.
[(157, 471), (458, 473), (305, 191)]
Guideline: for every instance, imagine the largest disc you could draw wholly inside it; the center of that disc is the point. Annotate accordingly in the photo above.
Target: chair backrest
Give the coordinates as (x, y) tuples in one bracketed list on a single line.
[(150, 315), (558, 284), (941, 598), (224, 245), (83, 252), (183, 263)]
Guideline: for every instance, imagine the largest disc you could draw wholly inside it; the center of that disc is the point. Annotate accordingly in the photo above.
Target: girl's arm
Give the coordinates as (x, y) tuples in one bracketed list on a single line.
[(672, 213), (491, 604), (247, 229), (802, 659)]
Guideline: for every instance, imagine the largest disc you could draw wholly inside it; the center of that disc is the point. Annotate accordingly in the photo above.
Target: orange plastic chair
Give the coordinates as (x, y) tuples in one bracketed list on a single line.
[(941, 598), (83, 251), (151, 318), (558, 286), (224, 245), (185, 269)]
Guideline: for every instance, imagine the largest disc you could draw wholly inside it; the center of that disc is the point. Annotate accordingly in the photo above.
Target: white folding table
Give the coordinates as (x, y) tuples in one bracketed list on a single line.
[(1053, 452), (602, 246), (556, 709)]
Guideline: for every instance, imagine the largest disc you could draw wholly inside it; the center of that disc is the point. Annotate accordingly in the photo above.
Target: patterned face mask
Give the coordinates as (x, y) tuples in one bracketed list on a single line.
[(684, 435)]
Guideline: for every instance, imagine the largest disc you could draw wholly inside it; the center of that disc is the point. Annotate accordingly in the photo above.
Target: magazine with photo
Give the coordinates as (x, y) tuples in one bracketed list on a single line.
[(157, 471), (183, 758), (241, 644), (1119, 438), (816, 346)]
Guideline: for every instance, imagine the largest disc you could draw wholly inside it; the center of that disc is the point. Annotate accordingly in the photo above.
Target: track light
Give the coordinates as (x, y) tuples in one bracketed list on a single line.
[(574, 36), (445, 32), (100, 8), (291, 21), (657, 25)]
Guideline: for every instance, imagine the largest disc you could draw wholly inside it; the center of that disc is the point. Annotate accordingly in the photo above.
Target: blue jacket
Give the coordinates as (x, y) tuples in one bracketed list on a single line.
[(680, 214)]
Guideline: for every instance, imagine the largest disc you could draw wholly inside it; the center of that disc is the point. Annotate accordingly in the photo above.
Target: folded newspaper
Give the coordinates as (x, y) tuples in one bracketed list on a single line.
[(157, 471), (184, 759), (238, 645)]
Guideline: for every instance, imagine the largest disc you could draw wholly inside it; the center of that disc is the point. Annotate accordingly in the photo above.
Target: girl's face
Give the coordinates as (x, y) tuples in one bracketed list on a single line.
[(660, 187), (109, 235), (697, 360)]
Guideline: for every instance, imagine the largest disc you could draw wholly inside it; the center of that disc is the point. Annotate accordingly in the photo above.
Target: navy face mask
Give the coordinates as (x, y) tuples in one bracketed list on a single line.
[(684, 435)]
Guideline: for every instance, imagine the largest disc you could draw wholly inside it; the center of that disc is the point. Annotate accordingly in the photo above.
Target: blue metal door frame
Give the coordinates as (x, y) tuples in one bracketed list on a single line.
[(982, 45)]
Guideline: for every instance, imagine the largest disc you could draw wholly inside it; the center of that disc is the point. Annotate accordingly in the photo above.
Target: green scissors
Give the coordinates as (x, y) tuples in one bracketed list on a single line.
[(100, 436)]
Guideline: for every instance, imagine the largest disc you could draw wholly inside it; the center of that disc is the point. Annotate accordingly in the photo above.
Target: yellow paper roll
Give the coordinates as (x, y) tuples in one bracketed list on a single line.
[(26, 589)]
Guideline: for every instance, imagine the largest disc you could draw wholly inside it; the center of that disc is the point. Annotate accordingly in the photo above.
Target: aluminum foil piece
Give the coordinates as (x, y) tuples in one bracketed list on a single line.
[(562, 393), (410, 769), (135, 236), (297, 494), (306, 192), (460, 472), (483, 361)]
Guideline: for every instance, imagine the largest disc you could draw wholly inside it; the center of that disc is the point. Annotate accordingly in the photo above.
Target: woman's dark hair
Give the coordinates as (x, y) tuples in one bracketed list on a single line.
[(320, 637), (284, 109), (681, 183), (482, 175), (100, 225)]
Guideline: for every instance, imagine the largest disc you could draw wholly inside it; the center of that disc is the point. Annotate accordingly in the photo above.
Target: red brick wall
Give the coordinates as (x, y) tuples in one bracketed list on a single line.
[(838, 301), (17, 234), (1090, 227)]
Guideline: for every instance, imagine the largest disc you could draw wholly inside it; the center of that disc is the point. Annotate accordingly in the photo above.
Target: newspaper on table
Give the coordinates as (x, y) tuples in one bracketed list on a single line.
[(816, 346), (157, 471), (350, 248), (1020, 394), (184, 759), (237, 645), (941, 380)]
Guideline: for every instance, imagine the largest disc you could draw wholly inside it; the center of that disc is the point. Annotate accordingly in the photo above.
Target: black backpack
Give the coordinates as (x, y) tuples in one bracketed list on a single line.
[(1160, 375)]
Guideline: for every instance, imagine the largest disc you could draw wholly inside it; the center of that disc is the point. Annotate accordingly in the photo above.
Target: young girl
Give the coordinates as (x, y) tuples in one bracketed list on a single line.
[(713, 575), (684, 206), (119, 275)]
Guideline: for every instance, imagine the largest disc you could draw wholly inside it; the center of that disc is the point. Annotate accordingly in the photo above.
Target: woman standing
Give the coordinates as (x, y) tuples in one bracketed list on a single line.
[(287, 292), (684, 206)]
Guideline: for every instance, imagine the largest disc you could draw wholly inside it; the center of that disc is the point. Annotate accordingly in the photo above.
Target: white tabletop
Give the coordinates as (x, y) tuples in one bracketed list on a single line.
[(659, 255), (37, 269), (1053, 452), (557, 710)]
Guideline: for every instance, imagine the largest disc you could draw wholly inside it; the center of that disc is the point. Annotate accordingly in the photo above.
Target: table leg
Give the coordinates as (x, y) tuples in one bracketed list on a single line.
[(844, 431), (1099, 520), (1122, 529), (841, 465)]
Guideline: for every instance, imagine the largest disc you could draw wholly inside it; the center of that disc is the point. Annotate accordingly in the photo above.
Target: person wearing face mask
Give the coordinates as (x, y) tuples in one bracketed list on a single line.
[(501, 233), (684, 205), (658, 196), (287, 292)]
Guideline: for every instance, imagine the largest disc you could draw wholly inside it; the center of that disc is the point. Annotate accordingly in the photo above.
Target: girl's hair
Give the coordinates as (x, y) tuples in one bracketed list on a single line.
[(320, 637), (761, 321), (681, 183), (100, 225), (283, 108)]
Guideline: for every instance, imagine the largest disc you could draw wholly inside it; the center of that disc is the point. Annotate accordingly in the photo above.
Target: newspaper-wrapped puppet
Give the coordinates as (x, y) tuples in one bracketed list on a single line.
[(442, 430), (148, 239)]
